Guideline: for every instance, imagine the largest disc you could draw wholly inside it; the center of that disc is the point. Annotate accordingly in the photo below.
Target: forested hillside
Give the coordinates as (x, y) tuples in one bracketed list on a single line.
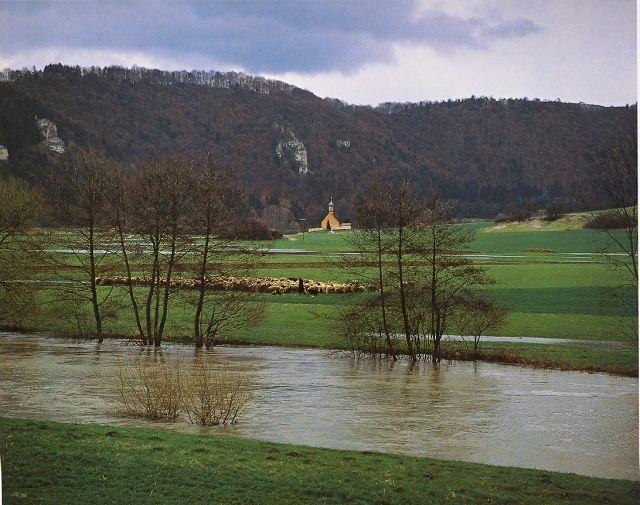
[(293, 150)]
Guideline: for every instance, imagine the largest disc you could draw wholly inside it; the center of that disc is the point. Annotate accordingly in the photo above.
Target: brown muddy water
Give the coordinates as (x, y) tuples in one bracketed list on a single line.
[(479, 412)]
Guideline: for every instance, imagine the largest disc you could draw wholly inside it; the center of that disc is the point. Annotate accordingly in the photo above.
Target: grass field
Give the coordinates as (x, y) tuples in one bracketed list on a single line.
[(306, 321), (512, 238), (53, 463)]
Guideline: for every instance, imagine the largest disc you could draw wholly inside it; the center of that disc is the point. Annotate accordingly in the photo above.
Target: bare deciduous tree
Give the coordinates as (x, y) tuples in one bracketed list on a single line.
[(218, 199), (612, 179), (162, 202), (424, 281), (447, 276), (20, 206), (372, 240), (80, 186), (404, 212), (120, 203)]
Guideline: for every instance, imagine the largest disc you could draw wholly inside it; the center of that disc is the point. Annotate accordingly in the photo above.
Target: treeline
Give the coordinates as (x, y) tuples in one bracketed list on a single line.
[(480, 101), (154, 76), (488, 155)]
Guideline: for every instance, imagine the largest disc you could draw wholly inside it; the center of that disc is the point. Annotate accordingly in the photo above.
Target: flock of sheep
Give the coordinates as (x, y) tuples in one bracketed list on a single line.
[(252, 284)]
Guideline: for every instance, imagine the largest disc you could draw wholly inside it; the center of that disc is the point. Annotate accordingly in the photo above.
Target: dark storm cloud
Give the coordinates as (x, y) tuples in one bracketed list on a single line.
[(260, 35)]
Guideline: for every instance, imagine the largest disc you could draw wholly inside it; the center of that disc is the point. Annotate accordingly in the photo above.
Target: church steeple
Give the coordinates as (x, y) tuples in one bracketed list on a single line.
[(330, 222)]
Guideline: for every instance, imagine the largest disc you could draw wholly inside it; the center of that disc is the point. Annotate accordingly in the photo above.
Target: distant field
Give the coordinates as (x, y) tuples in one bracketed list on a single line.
[(517, 242), (328, 242), (563, 236)]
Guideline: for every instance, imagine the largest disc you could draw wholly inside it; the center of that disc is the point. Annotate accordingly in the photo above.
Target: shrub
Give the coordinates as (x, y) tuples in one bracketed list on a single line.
[(519, 215), (553, 212), (276, 234), (611, 220), (214, 397), (251, 228), (150, 389), (154, 389), (500, 218)]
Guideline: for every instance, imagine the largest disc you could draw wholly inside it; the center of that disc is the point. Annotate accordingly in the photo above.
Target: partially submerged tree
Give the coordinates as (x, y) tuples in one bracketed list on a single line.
[(423, 280), (217, 201), (447, 278), (372, 239), (120, 204), (80, 187), (170, 216), (404, 213), (162, 202)]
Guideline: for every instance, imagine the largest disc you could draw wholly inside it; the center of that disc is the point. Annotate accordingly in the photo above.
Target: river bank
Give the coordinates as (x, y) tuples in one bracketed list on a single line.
[(615, 358), (78, 464)]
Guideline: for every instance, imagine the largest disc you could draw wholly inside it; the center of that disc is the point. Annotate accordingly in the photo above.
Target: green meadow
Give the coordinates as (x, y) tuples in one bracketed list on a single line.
[(47, 462), (570, 293), (552, 278)]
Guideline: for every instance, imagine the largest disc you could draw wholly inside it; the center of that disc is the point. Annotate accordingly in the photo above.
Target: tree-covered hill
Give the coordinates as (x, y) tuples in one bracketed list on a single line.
[(294, 150)]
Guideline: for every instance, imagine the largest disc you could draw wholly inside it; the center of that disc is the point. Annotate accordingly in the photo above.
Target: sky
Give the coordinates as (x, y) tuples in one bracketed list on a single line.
[(359, 51)]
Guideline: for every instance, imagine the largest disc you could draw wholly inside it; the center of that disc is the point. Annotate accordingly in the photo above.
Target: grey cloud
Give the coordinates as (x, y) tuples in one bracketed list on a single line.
[(259, 35), (509, 29)]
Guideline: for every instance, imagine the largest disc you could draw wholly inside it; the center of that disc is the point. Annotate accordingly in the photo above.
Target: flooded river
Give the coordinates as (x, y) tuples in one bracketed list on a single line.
[(486, 413)]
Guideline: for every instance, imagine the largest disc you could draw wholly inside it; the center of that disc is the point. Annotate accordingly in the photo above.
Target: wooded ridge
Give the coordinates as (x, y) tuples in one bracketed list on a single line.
[(293, 150)]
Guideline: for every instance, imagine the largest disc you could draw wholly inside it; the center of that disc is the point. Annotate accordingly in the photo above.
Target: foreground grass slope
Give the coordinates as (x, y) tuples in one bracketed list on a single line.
[(53, 463)]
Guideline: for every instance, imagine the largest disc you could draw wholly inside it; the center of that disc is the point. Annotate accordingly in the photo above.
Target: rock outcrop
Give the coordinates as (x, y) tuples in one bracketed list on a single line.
[(50, 139), (290, 149)]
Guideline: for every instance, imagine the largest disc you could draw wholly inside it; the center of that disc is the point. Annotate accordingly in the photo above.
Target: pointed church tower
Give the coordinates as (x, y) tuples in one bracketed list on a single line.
[(330, 222)]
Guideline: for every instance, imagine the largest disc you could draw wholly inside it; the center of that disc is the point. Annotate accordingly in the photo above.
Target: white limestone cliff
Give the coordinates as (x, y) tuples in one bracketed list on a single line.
[(292, 149), (49, 132)]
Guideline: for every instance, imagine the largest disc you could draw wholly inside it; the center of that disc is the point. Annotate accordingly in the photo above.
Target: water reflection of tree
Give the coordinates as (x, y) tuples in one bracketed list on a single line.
[(425, 403)]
